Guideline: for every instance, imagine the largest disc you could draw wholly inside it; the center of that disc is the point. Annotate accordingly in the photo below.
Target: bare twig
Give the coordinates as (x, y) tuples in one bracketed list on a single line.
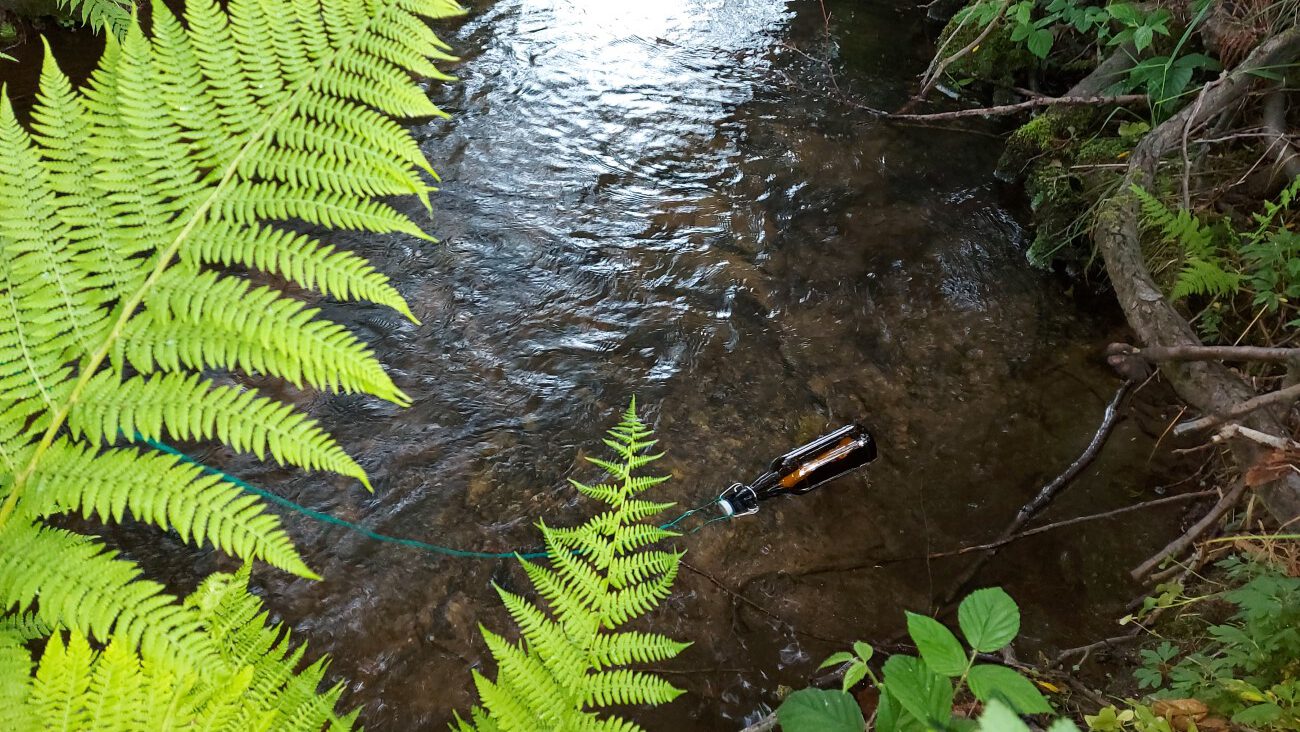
[(1049, 491), (1103, 643), (1281, 396), (1273, 441), (1022, 106), (934, 74), (1182, 543), (1074, 521)]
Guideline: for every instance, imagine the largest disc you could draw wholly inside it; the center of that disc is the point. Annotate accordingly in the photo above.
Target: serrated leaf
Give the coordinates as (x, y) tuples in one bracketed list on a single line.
[(864, 650), (819, 710), (1040, 42), (855, 674), (920, 691), (998, 717), (989, 682), (989, 619), (939, 648)]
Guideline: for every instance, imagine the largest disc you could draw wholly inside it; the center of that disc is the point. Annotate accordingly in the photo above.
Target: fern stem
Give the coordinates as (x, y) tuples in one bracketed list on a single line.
[(165, 257)]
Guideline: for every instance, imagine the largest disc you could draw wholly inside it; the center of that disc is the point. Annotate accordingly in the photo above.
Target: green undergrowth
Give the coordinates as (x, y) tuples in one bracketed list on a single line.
[(1225, 656)]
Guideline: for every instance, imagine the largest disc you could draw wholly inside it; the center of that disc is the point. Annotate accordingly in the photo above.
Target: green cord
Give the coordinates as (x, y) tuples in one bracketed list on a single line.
[(412, 543)]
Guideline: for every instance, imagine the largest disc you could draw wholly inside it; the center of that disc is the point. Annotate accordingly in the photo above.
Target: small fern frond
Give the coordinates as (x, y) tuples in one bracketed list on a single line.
[(572, 661), (111, 16), (307, 263), (1175, 226), (212, 321), (624, 649), (621, 687), (1205, 277)]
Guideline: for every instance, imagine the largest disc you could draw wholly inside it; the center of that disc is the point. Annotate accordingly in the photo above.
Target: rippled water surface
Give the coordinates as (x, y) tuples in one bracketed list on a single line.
[(666, 200)]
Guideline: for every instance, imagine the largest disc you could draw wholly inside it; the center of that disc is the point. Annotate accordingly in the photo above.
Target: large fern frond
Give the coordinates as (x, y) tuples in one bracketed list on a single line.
[(572, 662), (202, 145)]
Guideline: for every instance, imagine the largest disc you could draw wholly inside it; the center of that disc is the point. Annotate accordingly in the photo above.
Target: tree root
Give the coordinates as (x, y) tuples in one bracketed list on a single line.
[(1274, 114), (1206, 386)]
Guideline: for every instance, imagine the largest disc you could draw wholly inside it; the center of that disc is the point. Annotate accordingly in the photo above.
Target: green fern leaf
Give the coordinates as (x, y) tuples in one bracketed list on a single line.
[(192, 148), (1205, 277), (75, 688), (187, 407), (87, 589), (161, 490), (572, 662)]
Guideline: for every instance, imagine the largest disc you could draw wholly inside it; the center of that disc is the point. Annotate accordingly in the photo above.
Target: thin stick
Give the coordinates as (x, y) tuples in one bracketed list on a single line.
[(934, 75), (1074, 521), (1103, 643), (1049, 491), (1237, 411), (1022, 106), (1273, 441), (1181, 544)]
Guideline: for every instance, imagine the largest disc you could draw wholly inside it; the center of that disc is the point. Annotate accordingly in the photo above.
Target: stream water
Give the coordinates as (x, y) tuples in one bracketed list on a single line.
[(670, 200)]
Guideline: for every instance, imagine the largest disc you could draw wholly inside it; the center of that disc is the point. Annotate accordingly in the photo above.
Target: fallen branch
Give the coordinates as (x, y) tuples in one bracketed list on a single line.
[(1049, 491), (1237, 411), (1204, 353), (1273, 441), (1034, 103), (1180, 545), (1074, 521), (1209, 387)]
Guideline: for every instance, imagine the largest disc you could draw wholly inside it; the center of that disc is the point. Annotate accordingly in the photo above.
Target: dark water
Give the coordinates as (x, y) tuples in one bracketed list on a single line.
[(665, 200)]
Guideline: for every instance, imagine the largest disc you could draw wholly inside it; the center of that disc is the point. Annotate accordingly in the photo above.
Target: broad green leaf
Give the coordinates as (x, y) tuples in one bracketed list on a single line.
[(1259, 715), (819, 710), (989, 682), (998, 717), (1142, 36), (1040, 42), (1063, 725), (920, 691), (939, 648), (989, 619)]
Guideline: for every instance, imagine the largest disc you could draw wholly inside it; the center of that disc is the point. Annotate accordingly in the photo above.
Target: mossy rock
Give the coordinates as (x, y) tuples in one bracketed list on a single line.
[(997, 59), (1101, 150)]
